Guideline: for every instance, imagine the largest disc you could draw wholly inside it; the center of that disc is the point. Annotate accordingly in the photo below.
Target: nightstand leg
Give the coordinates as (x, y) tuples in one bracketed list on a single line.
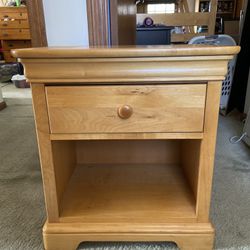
[(58, 242), (196, 242)]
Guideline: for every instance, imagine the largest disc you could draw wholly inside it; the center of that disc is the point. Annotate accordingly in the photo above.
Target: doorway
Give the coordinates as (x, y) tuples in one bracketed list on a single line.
[(121, 19)]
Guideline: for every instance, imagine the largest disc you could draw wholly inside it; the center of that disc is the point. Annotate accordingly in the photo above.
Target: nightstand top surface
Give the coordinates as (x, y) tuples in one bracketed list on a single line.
[(129, 51)]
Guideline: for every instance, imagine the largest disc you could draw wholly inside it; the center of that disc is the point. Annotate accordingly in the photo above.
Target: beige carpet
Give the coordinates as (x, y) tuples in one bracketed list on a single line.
[(22, 211)]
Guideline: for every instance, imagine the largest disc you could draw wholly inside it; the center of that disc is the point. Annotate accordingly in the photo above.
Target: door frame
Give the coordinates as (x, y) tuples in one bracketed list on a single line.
[(97, 16), (37, 23), (98, 22)]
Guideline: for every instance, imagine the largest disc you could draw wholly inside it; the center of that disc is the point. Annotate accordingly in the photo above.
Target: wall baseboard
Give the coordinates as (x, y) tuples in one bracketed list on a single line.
[(2, 105)]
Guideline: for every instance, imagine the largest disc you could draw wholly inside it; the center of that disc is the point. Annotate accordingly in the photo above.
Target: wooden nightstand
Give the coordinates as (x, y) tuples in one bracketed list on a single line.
[(126, 139)]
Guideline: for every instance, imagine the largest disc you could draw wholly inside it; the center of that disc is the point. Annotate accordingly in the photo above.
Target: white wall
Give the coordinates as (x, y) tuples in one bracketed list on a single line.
[(66, 22)]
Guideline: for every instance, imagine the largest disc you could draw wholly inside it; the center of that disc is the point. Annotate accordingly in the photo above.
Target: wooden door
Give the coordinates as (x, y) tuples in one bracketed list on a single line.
[(123, 22), (37, 23)]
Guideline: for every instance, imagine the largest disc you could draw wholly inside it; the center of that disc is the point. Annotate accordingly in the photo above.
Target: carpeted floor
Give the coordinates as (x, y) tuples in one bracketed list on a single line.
[(22, 212)]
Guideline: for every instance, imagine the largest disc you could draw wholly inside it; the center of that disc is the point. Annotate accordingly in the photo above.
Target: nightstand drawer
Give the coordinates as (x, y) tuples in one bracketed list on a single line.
[(8, 34), (13, 15), (15, 44), (126, 109), (17, 24)]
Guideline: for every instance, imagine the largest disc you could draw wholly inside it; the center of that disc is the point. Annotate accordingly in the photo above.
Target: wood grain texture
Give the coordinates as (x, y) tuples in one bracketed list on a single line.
[(212, 19), (14, 25), (194, 241), (78, 228), (131, 64), (13, 9), (136, 70), (127, 136), (64, 159), (98, 26), (17, 24), (123, 22), (15, 34), (127, 186), (155, 108), (10, 44), (37, 23), (128, 194), (128, 51), (45, 151), (190, 162), (128, 152), (15, 13), (7, 45), (207, 151), (188, 236)]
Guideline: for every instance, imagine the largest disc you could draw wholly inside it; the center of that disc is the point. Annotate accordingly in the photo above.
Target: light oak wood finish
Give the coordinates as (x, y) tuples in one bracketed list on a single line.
[(45, 151), (129, 52), (132, 64), (64, 160), (121, 180), (128, 194), (212, 20), (128, 152), (185, 228), (187, 235), (207, 151), (158, 108), (193, 241), (190, 162), (127, 136)]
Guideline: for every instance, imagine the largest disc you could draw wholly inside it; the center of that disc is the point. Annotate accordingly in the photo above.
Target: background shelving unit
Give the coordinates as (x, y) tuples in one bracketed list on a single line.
[(226, 9), (187, 17), (14, 31)]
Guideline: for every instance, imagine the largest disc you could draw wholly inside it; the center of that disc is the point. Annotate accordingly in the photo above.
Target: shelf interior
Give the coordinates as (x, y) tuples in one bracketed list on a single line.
[(127, 193), (140, 181)]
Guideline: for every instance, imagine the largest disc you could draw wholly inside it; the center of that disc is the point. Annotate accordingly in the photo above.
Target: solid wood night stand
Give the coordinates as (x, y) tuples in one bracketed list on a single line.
[(126, 139)]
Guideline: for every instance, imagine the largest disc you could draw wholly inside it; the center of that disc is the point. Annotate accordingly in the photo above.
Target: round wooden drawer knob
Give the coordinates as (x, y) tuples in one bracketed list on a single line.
[(125, 111)]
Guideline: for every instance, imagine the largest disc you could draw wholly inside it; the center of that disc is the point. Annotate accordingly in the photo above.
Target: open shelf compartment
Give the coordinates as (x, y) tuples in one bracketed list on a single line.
[(128, 181)]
